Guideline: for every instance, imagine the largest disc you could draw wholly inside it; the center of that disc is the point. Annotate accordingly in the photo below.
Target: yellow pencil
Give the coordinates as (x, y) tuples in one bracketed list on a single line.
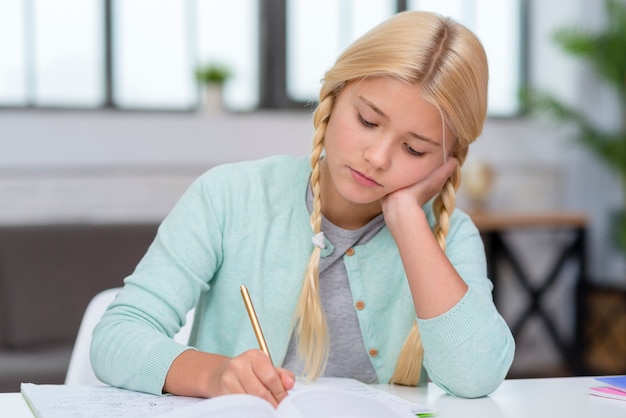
[(254, 320)]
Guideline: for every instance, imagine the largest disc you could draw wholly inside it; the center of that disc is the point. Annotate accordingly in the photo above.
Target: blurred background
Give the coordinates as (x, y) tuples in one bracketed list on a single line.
[(109, 109)]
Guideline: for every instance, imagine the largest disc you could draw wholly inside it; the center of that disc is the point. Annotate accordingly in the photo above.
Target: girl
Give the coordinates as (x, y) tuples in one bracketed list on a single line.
[(395, 286)]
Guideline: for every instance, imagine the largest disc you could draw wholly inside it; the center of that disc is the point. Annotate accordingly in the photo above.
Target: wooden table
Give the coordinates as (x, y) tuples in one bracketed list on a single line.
[(494, 226)]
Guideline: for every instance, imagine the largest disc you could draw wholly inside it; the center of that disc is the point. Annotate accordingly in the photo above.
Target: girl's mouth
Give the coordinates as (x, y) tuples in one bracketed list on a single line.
[(363, 179)]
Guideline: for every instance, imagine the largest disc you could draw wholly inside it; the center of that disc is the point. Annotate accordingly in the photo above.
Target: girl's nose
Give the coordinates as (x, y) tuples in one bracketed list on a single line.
[(378, 153)]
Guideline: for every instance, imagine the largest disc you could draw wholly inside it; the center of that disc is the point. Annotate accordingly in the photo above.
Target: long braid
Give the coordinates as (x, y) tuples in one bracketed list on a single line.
[(311, 326)]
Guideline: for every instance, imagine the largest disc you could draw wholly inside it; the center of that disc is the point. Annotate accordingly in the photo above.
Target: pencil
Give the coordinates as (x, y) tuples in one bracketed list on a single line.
[(254, 320)]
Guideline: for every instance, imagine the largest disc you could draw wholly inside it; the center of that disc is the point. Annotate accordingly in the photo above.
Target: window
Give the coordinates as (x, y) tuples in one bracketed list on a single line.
[(13, 52), (238, 22), (311, 50), (151, 54), (141, 54), (154, 55), (53, 57)]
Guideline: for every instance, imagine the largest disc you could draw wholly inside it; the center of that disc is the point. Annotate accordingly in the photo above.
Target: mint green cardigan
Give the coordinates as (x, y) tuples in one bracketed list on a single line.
[(247, 223)]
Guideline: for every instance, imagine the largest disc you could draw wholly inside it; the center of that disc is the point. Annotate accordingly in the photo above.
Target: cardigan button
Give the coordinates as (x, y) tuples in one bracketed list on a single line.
[(360, 305), (350, 252), (373, 352)]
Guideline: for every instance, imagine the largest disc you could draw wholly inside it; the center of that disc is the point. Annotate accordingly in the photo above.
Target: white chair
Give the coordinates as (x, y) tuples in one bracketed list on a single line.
[(79, 371)]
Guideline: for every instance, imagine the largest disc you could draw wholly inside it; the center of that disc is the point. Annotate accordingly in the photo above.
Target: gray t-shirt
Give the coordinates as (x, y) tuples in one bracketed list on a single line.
[(348, 356)]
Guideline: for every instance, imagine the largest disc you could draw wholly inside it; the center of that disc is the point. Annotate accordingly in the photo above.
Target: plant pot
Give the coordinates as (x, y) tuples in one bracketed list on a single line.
[(212, 99)]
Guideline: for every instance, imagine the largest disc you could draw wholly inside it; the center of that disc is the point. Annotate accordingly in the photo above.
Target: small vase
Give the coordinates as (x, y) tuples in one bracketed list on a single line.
[(212, 99)]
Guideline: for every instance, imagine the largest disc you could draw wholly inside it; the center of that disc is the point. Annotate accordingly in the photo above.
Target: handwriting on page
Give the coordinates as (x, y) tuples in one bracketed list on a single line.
[(65, 401)]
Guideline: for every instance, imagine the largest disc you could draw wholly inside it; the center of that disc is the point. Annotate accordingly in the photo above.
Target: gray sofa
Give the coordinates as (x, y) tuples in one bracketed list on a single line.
[(48, 275)]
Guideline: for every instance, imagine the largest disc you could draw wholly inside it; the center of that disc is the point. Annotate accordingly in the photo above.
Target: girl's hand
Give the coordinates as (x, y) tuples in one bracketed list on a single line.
[(200, 374), (253, 373), (418, 194)]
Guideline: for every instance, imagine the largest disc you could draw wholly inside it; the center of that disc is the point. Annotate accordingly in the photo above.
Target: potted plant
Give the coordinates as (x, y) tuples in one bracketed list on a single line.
[(211, 78), (606, 52)]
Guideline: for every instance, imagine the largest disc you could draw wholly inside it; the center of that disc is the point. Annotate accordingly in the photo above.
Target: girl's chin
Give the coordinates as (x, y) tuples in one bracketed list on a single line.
[(360, 198)]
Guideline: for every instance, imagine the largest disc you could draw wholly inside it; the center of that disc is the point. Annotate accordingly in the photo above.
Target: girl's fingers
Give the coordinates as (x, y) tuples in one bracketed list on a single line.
[(253, 373)]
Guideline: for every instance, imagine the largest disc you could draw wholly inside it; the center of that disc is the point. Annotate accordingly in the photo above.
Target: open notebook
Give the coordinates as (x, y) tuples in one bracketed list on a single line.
[(328, 397)]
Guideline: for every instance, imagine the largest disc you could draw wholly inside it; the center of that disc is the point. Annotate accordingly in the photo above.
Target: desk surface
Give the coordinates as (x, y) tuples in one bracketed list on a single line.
[(517, 398)]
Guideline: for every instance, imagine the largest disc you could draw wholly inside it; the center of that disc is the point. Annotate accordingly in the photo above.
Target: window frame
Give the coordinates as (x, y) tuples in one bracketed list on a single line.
[(272, 45)]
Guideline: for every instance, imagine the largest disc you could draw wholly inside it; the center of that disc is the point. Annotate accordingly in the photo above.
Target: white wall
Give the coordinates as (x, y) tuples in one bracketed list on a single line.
[(108, 166)]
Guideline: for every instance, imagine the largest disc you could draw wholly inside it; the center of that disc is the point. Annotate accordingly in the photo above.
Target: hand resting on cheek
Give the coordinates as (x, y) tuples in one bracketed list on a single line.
[(418, 194)]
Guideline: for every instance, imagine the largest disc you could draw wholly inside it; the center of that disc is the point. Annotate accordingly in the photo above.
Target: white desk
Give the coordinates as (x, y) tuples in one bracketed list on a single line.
[(519, 398)]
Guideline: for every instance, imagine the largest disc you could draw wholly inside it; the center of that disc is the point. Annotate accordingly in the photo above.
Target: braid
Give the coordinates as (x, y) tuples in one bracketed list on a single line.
[(310, 320), (445, 202), (409, 367), (444, 205)]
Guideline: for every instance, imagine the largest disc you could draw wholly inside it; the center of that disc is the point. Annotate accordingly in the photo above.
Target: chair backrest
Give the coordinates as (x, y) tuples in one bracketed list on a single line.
[(79, 371)]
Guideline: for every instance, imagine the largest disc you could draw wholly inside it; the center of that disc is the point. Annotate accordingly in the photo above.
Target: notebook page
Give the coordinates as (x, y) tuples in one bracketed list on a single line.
[(356, 386), (329, 403), (229, 406), (69, 401)]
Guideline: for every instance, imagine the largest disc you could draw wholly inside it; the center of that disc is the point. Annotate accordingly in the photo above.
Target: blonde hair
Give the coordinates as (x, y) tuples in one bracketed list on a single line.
[(449, 64)]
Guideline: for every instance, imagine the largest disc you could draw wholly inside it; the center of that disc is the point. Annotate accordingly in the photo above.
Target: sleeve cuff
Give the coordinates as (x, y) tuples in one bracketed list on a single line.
[(156, 365), (459, 324)]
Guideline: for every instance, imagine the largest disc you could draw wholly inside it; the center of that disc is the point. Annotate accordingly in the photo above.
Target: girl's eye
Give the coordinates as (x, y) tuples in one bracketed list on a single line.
[(366, 123), (413, 151)]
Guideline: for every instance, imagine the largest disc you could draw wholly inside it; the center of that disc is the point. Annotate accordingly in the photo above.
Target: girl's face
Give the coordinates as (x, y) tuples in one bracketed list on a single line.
[(381, 137)]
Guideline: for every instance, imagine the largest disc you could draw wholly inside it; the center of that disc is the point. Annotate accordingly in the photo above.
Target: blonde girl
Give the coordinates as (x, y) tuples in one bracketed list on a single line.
[(395, 286), (449, 64)]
